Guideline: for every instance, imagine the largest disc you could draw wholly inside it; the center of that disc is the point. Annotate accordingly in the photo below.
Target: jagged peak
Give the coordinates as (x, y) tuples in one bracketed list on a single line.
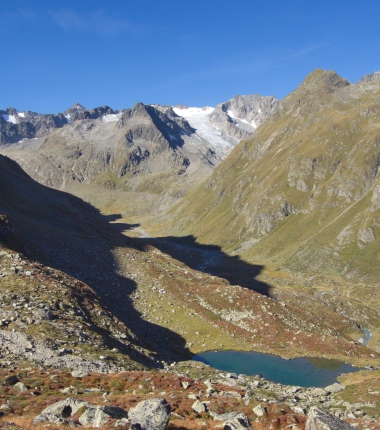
[(371, 77)]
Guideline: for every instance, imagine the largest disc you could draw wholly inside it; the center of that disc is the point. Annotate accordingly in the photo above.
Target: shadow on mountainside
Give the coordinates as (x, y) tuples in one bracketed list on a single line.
[(205, 258), (212, 260), (64, 232)]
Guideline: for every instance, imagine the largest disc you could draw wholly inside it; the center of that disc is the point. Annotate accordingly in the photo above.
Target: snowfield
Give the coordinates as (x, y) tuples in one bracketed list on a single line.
[(198, 119), (10, 118)]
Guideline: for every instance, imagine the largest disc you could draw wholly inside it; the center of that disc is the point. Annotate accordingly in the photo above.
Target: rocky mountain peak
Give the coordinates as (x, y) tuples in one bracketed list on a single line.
[(370, 77), (324, 81)]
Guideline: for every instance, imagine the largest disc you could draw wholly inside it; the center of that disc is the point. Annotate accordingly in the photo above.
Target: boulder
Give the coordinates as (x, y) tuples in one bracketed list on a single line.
[(79, 373), (233, 420), (259, 410), (20, 387), (152, 414), (334, 388), (61, 411), (43, 314), (10, 380), (97, 416), (198, 407), (318, 420)]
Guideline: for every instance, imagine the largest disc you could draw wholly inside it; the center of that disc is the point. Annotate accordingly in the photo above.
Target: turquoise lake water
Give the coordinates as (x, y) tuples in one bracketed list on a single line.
[(303, 372)]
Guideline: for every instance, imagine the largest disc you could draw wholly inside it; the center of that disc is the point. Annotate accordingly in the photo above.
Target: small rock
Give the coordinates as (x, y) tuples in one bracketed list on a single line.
[(6, 407), (192, 396), (79, 373), (198, 407), (65, 351), (122, 423), (10, 380), (185, 385), (335, 388), (259, 410), (43, 314), (20, 387)]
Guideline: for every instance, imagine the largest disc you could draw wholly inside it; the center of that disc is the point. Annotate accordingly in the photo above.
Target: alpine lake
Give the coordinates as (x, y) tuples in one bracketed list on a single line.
[(302, 372)]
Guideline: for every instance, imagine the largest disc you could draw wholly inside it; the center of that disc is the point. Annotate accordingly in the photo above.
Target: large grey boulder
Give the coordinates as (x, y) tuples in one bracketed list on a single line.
[(152, 414), (61, 411), (318, 420), (97, 416)]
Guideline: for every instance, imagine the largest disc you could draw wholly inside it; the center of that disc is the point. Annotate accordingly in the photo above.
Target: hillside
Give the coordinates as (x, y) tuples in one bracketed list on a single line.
[(303, 192)]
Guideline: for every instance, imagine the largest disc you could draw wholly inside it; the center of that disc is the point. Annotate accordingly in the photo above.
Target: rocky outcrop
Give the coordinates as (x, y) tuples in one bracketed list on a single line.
[(239, 117), (318, 420)]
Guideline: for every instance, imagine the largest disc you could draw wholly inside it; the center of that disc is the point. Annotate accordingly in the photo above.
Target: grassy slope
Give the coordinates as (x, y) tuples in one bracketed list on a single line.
[(299, 195)]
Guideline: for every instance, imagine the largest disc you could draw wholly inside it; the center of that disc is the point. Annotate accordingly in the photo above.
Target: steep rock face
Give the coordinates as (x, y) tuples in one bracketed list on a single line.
[(136, 143), (304, 189), (238, 117), (16, 126)]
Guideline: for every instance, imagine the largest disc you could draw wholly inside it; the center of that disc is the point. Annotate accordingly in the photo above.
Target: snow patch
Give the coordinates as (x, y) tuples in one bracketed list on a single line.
[(231, 115), (68, 117), (10, 118), (21, 114), (112, 117)]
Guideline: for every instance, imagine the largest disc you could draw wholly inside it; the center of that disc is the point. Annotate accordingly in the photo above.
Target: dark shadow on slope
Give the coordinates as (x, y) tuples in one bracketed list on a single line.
[(205, 258), (212, 260), (68, 234)]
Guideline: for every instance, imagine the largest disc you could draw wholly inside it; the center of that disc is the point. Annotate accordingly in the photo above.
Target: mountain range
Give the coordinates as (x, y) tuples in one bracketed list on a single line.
[(149, 234)]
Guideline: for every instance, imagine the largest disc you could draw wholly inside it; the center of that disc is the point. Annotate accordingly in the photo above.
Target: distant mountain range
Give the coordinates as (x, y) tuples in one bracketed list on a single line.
[(153, 149)]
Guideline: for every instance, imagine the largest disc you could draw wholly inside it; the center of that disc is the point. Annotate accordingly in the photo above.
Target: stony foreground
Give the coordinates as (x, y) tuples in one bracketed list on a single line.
[(200, 399)]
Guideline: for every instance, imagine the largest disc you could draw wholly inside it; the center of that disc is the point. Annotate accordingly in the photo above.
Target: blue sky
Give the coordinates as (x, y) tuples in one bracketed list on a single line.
[(119, 52)]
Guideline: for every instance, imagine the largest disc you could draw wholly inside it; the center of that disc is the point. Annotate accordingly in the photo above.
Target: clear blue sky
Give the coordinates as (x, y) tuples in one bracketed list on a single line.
[(198, 52)]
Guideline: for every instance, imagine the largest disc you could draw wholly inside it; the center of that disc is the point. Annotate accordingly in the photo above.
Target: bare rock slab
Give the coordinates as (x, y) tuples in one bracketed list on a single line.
[(152, 414), (318, 420)]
